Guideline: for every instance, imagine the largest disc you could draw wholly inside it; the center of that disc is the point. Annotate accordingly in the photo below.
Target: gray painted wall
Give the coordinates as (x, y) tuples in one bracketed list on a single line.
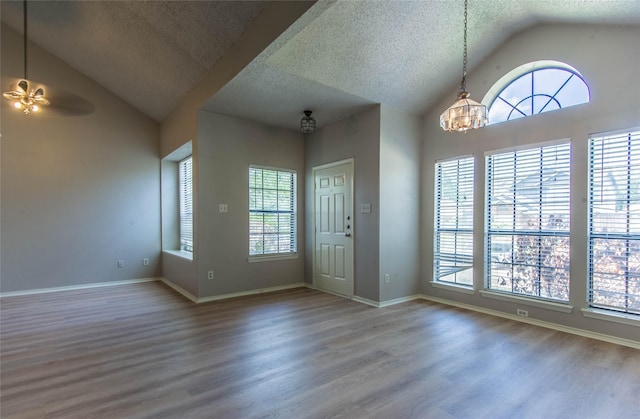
[(359, 137), (170, 205), (226, 148), (609, 60), (400, 144), (78, 193)]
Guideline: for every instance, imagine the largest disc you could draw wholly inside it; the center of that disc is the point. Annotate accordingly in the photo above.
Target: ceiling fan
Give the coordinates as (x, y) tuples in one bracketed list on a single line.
[(26, 98), (29, 96)]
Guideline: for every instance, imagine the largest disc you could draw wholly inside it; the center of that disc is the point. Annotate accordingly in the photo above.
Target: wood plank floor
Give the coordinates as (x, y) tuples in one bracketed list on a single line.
[(142, 351)]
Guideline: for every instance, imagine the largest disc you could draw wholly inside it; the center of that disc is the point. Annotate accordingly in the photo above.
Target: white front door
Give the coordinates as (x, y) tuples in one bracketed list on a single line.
[(333, 262)]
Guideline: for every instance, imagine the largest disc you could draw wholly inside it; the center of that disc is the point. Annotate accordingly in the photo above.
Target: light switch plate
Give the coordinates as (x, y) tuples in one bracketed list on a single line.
[(223, 208), (365, 208)]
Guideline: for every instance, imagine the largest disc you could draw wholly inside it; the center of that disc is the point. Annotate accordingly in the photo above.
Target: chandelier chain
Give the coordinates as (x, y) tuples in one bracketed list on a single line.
[(464, 55)]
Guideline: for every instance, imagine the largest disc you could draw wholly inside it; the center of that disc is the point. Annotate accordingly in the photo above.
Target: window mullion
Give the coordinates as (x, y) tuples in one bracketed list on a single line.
[(540, 178), (628, 225)]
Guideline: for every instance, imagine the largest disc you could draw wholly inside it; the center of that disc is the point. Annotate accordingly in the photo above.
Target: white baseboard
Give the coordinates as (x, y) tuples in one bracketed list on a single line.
[(367, 301), (386, 303), (400, 300), (567, 329), (250, 292), (197, 300), (363, 301), (179, 290), (77, 287)]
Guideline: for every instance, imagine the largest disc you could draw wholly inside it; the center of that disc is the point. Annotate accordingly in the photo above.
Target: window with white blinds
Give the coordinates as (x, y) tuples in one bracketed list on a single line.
[(453, 226), (528, 209), (614, 222), (185, 181), (272, 211)]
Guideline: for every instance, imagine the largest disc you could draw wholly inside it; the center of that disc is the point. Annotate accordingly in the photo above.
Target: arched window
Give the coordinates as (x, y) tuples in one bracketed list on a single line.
[(533, 88)]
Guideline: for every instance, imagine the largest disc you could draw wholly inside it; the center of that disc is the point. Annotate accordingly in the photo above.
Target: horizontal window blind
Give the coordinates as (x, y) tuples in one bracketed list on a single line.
[(614, 222), (453, 248), (185, 180), (528, 214), (272, 211)]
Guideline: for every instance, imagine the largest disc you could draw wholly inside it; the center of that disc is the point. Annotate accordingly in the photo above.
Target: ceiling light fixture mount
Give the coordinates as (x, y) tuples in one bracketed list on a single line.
[(307, 123), (465, 113), (25, 98)]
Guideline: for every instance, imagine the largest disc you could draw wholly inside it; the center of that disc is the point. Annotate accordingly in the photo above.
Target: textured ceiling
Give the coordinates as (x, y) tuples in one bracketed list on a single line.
[(405, 54), (338, 58), (149, 53)]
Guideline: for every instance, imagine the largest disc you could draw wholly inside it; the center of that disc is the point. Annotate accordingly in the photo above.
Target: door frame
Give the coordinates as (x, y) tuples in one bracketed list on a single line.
[(351, 162)]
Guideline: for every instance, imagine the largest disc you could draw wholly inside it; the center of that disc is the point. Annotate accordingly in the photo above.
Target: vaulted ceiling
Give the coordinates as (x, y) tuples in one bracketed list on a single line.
[(338, 58)]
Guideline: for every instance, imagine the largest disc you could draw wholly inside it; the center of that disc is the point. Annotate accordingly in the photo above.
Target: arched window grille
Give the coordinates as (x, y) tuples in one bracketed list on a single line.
[(534, 88)]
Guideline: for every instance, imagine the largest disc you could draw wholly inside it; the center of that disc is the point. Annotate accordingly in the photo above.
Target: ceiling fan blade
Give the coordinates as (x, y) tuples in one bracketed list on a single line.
[(68, 104), (13, 95), (41, 101)]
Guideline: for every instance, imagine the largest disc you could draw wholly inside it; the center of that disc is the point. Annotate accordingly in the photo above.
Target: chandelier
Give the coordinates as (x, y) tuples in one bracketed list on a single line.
[(26, 98), (465, 113), (307, 123)]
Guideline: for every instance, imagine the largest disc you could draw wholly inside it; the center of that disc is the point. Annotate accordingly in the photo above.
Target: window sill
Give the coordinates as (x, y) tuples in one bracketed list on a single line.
[(549, 305), (612, 316), (465, 289), (267, 258), (180, 253)]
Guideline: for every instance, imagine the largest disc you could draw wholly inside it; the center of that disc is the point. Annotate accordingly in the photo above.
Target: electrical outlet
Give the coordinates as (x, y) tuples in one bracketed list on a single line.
[(145, 262), (387, 278), (210, 275), (521, 312), (121, 263)]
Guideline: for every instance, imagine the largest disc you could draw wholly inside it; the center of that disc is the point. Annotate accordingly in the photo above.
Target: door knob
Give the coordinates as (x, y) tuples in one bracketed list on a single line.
[(347, 234)]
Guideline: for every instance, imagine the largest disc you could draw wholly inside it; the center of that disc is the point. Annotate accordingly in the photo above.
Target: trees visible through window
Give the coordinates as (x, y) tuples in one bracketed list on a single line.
[(453, 247), (536, 91), (185, 181), (272, 211), (528, 209), (614, 221)]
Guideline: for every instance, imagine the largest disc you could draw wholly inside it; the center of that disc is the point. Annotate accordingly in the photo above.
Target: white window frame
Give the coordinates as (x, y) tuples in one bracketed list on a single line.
[(614, 216), (257, 207), (185, 203), (560, 231), (494, 95), (450, 260)]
